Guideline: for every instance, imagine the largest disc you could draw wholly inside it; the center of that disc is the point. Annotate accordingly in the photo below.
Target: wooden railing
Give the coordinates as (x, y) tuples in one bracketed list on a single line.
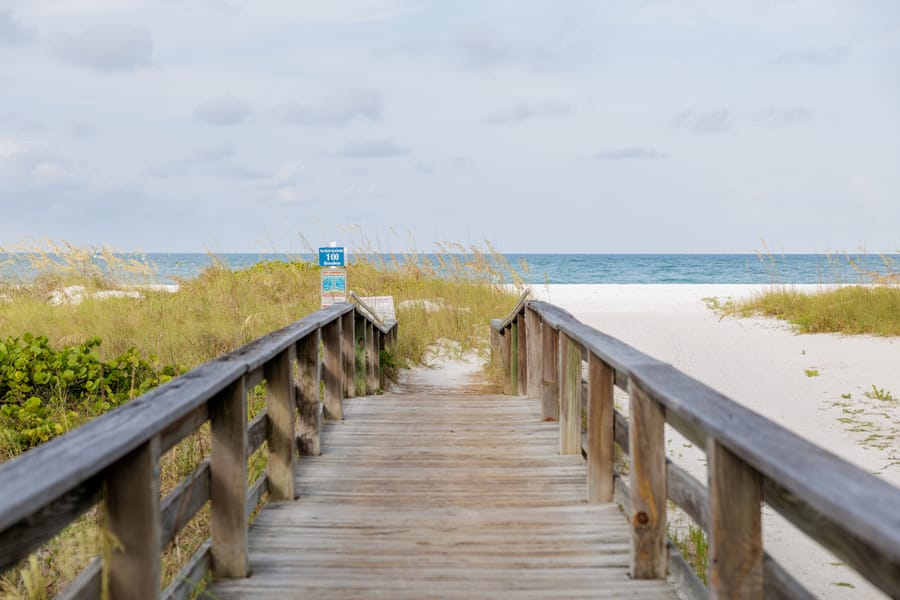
[(114, 459), (751, 461)]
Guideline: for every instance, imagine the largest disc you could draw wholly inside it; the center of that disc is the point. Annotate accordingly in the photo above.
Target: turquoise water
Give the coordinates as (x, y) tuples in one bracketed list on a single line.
[(590, 268)]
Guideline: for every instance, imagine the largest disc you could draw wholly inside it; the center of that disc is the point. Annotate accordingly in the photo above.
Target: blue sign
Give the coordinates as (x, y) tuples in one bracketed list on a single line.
[(332, 257)]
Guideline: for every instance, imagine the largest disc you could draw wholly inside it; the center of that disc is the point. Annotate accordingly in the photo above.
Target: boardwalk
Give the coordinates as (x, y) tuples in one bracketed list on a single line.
[(428, 493)]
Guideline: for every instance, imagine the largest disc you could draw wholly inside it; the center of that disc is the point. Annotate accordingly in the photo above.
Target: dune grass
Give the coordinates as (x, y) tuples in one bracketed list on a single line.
[(450, 298)]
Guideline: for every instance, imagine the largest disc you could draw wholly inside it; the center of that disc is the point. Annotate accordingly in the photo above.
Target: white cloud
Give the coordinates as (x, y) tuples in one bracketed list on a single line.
[(106, 47), (778, 118), (16, 121), (34, 164), (523, 111), (200, 162), (630, 154), (704, 122), (338, 107), (12, 33), (225, 110), (372, 149)]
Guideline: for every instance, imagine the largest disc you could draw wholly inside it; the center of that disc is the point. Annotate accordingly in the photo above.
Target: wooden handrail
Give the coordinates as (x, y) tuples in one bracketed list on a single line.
[(752, 459), (117, 454)]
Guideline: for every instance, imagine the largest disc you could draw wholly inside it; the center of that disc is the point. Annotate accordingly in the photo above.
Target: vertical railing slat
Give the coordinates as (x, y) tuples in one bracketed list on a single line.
[(522, 372), (549, 374), (569, 371), (332, 370), (308, 394), (280, 410), (133, 521), (228, 481), (600, 430), (535, 348), (348, 339), (513, 333)]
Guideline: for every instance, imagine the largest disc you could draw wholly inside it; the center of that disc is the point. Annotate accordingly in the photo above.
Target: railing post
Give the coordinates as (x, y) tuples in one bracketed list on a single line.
[(380, 347), (550, 373), (736, 551), (132, 518), (535, 347), (280, 403), (333, 369), (601, 417), (228, 481), (359, 354), (348, 338), (371, 375), (522, 330), (513, 334), (505, 360), (308, 394), (569, 395), (648, 485)]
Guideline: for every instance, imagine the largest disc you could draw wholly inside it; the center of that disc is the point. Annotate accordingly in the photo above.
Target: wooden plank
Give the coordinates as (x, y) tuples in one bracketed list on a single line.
[(88, 584), (569, 396), (535, 348), (348, 353), (735, 535), (228, 482), (687, 581), (360, 354), (600, 454), (371, 359), (332, 365), (280, 437), (256, 492), (185, 584), (522, 382), (513, 333), (256, 432), (182, 503), (132, 519), (309, 421), (549, 373), (177, 431), (648, 486)]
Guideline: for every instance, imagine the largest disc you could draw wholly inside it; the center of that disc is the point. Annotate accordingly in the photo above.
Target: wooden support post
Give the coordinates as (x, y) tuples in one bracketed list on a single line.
[(371, 369), (549, 373), (228, 481), (569, 395), (308, 394), (360, 354), (505, 354), (522, 382), (648, 486), (280, 403), (535, 348), (380, 346), (348, 339), (514, 357), (735, 544), (332, 370), (495, 345), (601, 416), (131, 494)]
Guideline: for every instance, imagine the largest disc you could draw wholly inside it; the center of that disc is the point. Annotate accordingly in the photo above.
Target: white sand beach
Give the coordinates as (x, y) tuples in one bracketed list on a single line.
[(762, 364)]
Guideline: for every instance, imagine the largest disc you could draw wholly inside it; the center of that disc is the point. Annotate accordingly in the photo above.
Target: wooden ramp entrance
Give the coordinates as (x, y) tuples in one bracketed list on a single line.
[(430, 493)]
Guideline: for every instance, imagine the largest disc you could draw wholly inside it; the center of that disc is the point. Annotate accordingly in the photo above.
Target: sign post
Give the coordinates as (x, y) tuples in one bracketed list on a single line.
[(332, 261)]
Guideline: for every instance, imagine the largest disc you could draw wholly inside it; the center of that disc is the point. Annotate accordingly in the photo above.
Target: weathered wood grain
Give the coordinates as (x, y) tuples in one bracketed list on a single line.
[(549, 373), (600, 455), (132, 518), (535, 347), (183, 502), (184, 586), (513, 334), (359, 354), (348, 353), (87, 586), (256, 432), (569, 370), (280, 438), (522, 370), (309, 404), (332, 370)]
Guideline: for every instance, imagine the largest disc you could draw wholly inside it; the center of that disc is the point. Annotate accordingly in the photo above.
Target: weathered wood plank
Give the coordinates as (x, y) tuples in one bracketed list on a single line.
[(280, 408), (522, 370), (735, 534), (600, 454), (87, 586), (256, 432), (549, 373), (569, 396), (183, 502), (359, 355), (132, 518), (192, 575), (348, 353), (182, 428), (228, 481), (535, 348), (648, 486), (332, 370), (309, 404), (513, 333), (371, 359)]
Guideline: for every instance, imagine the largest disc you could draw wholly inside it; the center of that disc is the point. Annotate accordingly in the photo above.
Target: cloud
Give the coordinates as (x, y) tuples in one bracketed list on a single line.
[(199, 162), (372, 149), (225, 110), (630, 154), (34, 164), (366, 191), (11, 32), (702, 123), (81, 130), (423, 169), (336, 108), (786, 117), (815, 56), (108, 47), (523, 111), (16, 121)]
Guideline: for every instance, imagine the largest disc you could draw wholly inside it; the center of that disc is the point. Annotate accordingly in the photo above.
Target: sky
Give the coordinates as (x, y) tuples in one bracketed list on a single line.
[(541, 126)]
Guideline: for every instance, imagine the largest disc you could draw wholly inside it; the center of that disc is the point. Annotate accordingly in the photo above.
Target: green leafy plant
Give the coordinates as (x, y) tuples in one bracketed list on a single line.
[(811, 372), (880, 394)]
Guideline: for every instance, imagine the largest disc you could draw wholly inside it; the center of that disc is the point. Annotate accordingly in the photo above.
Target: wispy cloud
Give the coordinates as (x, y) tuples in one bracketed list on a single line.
[(704, 122), (815, 56), (16, 121), (523, 111), (12, 33), (199, 162), (338, 107), (107, 47), (778, 118), (225, 110), (372, 149), (632, 153)]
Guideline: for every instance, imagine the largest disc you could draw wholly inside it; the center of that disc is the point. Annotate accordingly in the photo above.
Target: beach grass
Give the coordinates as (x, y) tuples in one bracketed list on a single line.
[(447, 299)]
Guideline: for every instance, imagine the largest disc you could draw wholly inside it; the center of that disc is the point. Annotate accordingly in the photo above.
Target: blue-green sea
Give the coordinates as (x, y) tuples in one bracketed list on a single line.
[(583, 268)]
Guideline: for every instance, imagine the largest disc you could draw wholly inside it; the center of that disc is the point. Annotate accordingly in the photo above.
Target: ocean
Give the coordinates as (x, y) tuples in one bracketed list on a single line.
[(592, 268)]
